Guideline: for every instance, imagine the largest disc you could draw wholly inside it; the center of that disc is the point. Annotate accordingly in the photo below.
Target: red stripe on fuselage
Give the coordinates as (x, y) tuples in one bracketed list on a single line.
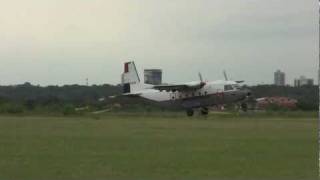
[(126, 67)]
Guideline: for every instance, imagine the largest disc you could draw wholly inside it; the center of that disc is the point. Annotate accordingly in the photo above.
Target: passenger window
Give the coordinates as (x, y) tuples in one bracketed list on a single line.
[(228, 87)]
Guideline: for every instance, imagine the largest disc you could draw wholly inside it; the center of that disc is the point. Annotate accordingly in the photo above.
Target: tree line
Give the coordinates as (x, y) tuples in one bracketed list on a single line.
[(28, 97), (307, 96)]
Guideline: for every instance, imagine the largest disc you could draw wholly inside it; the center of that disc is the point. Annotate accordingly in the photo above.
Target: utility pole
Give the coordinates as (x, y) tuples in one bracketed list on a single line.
[(319, 89)]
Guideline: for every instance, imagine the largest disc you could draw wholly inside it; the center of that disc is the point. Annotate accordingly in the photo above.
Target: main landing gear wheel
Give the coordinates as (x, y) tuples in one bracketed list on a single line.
[(190, 112), (204, 111), (244, 107)]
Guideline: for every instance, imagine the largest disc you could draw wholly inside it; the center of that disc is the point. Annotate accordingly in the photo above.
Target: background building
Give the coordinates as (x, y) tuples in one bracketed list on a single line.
[(279, 78), (281, 102), (303, 81), (153, 76)]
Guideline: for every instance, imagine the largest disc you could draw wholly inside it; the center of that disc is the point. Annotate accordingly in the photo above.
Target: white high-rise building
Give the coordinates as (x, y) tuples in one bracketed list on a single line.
[(279, 78), (153, 76)]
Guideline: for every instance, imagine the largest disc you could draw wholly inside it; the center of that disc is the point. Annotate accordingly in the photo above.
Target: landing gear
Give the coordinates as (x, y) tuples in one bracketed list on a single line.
[(244, 107), (190, 112), (204, 111)]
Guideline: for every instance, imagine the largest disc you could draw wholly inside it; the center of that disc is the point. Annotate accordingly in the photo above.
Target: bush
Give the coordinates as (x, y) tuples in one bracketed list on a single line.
[(30, 104), (276, 107), (11, 108), (307, 106), (69, 110)]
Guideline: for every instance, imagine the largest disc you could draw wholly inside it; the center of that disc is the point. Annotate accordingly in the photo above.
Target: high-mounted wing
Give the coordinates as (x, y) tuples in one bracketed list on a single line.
[(191, 86), (171, 87), (180, 87)]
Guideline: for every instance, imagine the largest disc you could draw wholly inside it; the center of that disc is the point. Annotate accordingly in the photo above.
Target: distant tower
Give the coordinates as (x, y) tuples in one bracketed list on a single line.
[(303, 81), (153, 76), (279, 78)]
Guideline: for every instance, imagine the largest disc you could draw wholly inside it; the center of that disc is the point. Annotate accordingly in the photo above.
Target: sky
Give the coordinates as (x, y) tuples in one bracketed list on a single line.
[(57, 42)]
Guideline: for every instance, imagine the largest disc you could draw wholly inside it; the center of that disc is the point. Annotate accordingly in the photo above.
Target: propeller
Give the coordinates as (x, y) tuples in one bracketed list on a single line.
[(200, 77), (201, 80), (227, 79), (225, 75)]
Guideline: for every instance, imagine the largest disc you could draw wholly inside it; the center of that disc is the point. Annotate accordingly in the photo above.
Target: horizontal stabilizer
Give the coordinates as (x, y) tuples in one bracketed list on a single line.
[(126, 95)]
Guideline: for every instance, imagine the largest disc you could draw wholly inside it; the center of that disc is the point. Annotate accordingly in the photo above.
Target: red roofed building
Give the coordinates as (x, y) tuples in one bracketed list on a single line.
[(284, 102)]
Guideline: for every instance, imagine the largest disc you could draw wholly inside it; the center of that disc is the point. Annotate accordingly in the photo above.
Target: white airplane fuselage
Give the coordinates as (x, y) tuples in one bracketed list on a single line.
[(197, 94), (211, 94)]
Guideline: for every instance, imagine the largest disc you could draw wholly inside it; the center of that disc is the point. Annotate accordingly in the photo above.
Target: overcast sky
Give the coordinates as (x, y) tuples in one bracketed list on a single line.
[(56, 42)]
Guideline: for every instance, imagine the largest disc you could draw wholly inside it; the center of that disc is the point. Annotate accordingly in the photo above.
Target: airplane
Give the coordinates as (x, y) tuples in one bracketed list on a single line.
[(187, 96)]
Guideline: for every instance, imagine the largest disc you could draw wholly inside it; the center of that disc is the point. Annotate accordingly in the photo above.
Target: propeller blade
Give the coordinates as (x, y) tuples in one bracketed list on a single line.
[(202, 83), (200, 76), (225, 75)]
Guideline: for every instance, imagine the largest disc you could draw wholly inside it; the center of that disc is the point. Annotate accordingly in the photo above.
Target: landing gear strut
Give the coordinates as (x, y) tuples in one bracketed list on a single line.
[(204, 111), (190, 112)]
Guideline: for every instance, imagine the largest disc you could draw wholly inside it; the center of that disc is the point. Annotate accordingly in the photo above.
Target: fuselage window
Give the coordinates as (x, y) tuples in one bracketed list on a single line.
[(228, 87), (236, 86)]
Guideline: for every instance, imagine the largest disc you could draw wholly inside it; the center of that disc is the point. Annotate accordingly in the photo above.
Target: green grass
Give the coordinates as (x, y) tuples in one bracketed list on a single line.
[(152, 146)]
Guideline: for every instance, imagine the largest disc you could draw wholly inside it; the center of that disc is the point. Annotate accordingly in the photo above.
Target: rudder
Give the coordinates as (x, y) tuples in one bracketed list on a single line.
[(130, 78)]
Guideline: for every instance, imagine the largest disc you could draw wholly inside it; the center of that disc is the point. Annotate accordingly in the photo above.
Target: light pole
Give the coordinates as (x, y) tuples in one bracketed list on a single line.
[(319, 88)]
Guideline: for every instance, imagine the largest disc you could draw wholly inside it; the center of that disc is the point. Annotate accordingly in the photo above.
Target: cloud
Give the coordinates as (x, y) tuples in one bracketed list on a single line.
[(65, 41)]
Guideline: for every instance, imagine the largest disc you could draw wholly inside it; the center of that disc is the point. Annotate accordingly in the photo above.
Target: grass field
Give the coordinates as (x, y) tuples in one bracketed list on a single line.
[(158, 147)]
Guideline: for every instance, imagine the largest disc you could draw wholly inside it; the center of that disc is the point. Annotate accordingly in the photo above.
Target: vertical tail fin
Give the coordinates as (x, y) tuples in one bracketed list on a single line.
[(130, 78)]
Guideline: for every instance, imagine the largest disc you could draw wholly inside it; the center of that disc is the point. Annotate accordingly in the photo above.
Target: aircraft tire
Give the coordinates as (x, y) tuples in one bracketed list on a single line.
[(244, 107), (204, 111), (190, 112)]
